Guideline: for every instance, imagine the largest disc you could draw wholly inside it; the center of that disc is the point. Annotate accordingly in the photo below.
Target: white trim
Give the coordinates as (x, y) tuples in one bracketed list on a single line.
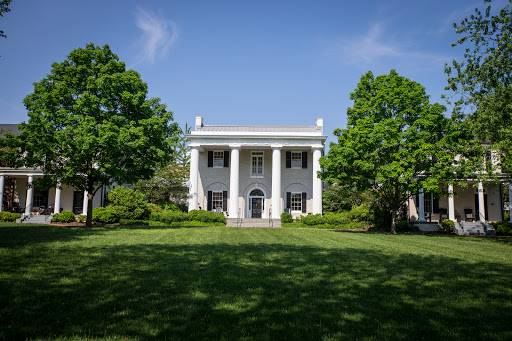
[(248, 202), (291, 202), (213, 158)]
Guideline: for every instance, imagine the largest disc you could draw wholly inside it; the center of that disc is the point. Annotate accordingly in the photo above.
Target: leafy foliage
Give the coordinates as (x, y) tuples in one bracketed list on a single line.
[(447, 225), (106, 215), (395, 142), (63, 217), (9, 216), (169, 217), (503, 228), (91, 125), (128, 203), (482, 83), (286, 217)]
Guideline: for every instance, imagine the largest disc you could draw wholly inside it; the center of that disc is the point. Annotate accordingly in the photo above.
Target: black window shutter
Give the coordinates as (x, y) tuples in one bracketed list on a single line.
[(304, 159), (304, 202), (210, 158), (210, 199), (226, 158), (436, 205), (225, 201), (288, 160), (417, 200), (288, 199)]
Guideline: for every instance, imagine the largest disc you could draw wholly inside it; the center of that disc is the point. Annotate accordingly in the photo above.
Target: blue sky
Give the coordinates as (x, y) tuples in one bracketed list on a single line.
[(238, 62)]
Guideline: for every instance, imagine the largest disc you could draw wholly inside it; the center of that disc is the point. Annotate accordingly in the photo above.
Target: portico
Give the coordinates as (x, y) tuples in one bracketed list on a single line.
[(228, 163)]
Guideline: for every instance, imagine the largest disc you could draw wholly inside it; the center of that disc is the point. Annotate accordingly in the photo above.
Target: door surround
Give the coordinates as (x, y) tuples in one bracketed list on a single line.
[(252, 193)]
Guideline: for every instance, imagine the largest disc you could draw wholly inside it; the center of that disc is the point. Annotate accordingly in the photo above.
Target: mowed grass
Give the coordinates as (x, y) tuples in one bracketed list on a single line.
[(248, 283)]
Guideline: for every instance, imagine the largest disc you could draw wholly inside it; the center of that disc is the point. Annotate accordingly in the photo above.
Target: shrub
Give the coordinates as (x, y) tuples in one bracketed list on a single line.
[(405, 226), (172, 206), (81, 218), (361, 213), (106, 215), (502, 228), (311, 220), (336, 219), (169, 217), (286, 217), (128, 204), (8, 216), (63, 217), (447, 225)]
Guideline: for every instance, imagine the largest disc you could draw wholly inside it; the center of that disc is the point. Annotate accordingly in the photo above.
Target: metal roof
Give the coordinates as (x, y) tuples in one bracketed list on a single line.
[(13, 128)]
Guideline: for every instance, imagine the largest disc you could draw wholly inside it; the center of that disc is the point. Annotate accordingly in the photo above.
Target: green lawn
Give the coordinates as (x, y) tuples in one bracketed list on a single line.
[(234, 283)]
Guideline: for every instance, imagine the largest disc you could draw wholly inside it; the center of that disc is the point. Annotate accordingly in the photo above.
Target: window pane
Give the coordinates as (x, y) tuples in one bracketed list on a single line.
[(218, 159), (257, 163), (217, 200), (296, 160), (296, 202)]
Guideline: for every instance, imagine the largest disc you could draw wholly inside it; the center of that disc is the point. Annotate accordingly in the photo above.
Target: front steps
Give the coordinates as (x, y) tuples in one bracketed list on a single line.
[(253, 222), (35, 219), (474, 229)]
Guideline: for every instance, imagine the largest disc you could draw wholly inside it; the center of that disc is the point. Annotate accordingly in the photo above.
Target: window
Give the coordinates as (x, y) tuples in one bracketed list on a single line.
[(427, 199), (40, 198), (218, 159), (217, 201), (296, 160), (296, 202), (257, 164)]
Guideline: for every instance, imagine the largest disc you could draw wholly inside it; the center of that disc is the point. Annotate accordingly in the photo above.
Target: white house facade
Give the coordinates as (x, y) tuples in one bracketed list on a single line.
[(256, 171)]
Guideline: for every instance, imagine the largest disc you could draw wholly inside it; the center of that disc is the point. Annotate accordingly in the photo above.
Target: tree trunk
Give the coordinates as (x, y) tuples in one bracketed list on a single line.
[(394, 209)]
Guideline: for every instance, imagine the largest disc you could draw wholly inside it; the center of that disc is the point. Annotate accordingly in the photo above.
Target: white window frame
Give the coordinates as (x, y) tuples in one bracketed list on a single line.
[(218, 159), (216, 200), (298, 160), (299, 194), (256, 155)]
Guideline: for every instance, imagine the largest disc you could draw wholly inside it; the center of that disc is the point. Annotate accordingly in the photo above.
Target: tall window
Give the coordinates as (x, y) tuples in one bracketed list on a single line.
[(40, 198), (217, 200), (296, 159), (257, 164), (218, 159), (296, 202), (428, 202)]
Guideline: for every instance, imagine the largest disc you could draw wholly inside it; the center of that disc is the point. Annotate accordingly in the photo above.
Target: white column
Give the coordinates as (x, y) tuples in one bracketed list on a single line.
[(481, 206), (194, 179), (421, 208), (276, 181), (451, 203), (28, 202), (234, 181), (86, 203), (510, 202), (317, 182), (2, 183), (56, 209)]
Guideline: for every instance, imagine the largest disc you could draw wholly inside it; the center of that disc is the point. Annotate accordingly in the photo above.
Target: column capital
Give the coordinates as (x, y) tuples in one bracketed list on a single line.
[(317, 147), (235, 146), (276, 146)]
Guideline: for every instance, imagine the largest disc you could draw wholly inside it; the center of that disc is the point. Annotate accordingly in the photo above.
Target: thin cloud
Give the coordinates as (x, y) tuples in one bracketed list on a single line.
[(158, 35), (378, 47)]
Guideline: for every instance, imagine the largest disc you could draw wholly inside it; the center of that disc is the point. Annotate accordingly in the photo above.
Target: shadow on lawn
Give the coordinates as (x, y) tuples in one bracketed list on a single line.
[(256, 291)]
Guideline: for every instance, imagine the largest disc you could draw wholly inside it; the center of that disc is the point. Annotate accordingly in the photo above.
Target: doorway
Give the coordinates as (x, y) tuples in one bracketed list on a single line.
[(256, 203)]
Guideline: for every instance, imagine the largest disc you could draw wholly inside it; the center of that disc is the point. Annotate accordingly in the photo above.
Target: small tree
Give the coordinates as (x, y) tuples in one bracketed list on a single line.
[(91, 124), (395, 142)]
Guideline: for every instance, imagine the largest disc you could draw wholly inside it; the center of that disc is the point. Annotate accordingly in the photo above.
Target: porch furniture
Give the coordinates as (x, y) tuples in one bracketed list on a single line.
[(41, 209), (468, 213), (443, 213), (457, 216), (428, 216)]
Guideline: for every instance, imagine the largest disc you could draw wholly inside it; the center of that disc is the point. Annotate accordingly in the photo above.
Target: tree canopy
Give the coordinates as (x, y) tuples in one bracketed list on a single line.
[(4, 8), (482, 82), (395, 142), (91, 124)]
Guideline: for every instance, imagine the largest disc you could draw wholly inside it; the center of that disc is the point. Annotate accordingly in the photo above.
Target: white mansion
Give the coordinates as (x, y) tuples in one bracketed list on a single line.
[(256, 171)]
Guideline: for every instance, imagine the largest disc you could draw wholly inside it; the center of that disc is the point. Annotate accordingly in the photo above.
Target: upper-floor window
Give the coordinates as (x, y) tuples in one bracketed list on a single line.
[(218, 159), (296, 160), (257, 164)]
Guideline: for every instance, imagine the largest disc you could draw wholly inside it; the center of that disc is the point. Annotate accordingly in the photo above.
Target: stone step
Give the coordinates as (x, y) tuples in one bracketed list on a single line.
[(37, 219), (252, 222)]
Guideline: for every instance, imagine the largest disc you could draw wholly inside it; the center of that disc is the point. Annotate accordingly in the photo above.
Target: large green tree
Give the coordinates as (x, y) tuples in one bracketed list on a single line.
[(91, 124), (482, 82), (395, 142)]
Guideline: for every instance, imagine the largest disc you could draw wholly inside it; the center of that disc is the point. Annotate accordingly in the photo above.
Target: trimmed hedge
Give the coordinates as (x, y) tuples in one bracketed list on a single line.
[(503, 228), (106, 215), (8, 216), (63, 217), (169, 217), (286, 217)]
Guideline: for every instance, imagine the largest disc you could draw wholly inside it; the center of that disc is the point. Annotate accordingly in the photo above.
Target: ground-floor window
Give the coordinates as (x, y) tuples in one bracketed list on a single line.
[(217, 201), (296, 201), (40, 198)]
